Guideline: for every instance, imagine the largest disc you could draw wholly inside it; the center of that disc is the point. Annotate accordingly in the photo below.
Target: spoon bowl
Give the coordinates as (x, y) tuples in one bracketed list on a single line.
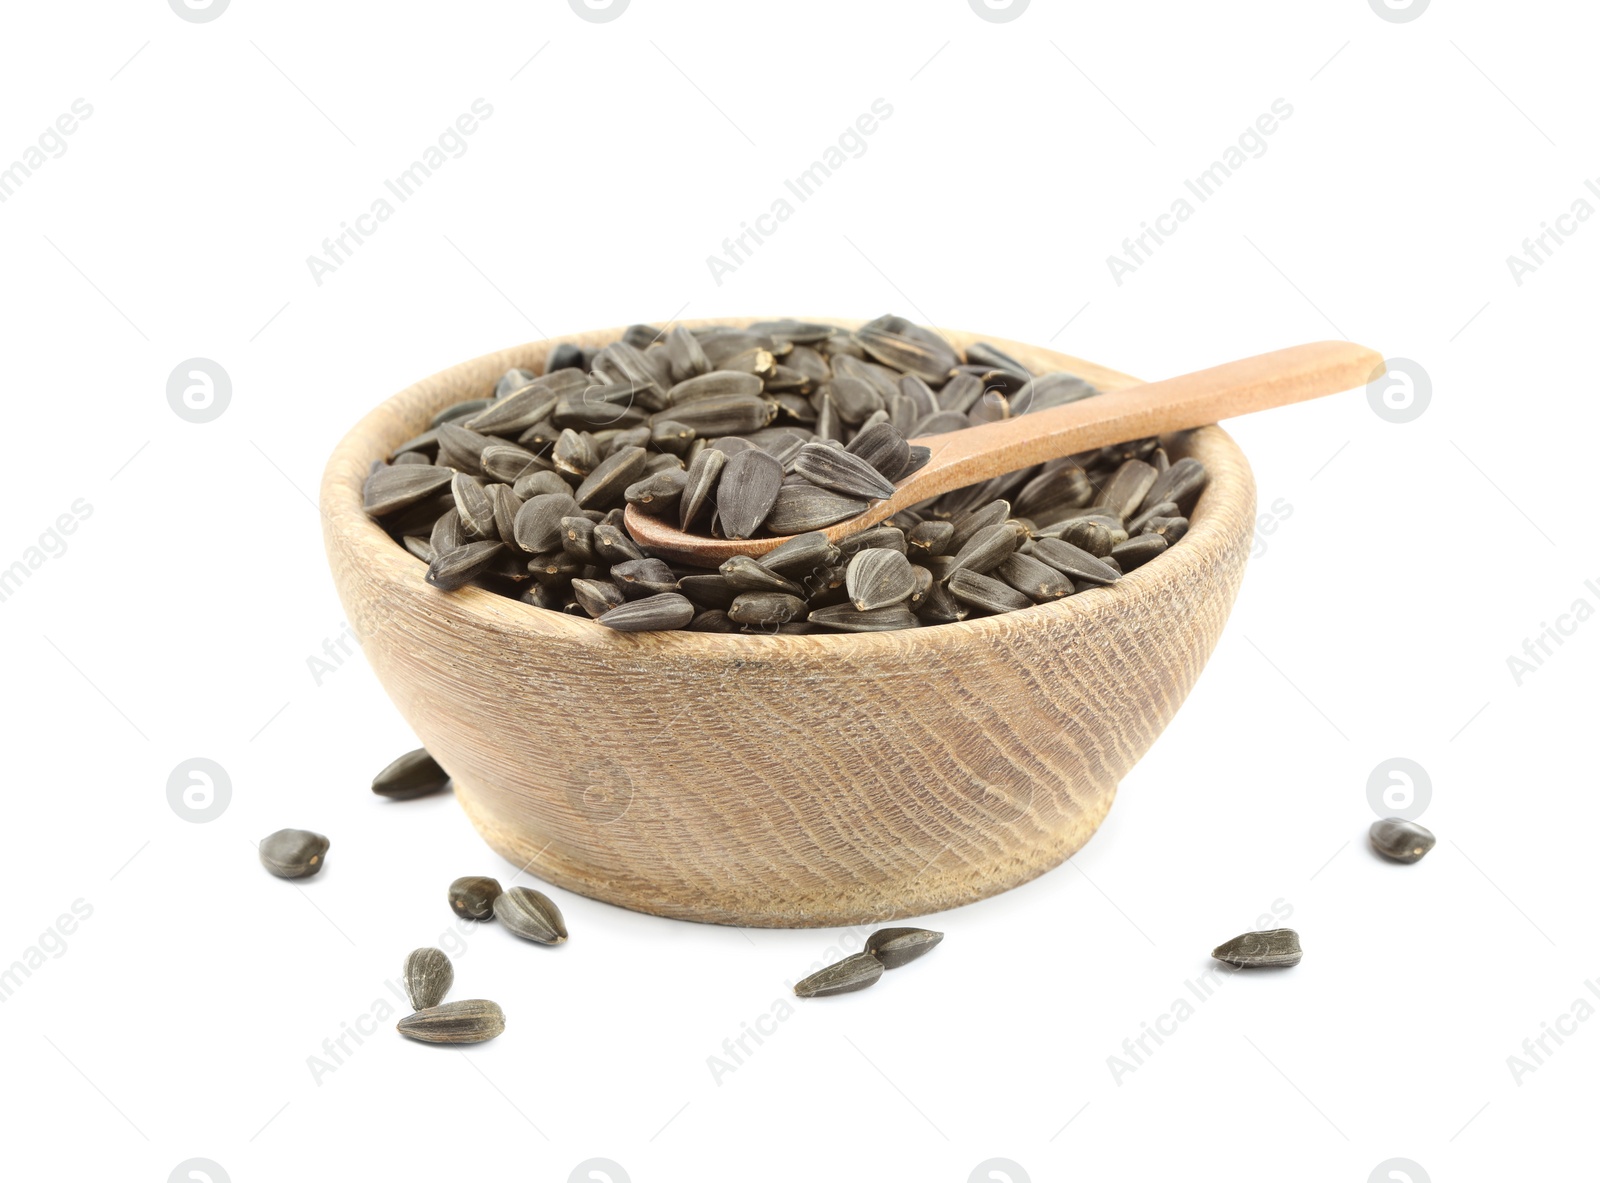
[(785, 781)]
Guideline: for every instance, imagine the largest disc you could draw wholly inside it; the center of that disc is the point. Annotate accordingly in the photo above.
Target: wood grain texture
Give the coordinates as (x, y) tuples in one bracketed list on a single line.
[(784, 781), (962, 458)]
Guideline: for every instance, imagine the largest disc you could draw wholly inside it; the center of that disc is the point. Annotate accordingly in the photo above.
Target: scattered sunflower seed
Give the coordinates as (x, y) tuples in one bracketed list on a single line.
[(472, 896), (897, 946), (293, 854), (428, 975), (1272, 948), (855, 972), (471, 1021), (415, 774), (531, 915), (1400, 840)]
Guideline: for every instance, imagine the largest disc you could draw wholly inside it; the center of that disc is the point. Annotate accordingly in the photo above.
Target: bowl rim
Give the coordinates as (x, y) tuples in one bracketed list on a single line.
[(347, 527)]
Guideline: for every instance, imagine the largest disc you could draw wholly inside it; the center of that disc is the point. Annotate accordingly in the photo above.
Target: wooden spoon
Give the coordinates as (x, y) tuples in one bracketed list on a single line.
[(962, 458)]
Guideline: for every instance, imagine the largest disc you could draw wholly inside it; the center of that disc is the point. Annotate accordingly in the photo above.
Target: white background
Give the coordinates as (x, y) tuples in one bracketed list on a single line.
[(1377, 622)]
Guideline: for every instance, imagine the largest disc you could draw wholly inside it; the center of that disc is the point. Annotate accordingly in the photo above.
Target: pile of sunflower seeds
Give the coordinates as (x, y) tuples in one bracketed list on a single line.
[(781, 428)]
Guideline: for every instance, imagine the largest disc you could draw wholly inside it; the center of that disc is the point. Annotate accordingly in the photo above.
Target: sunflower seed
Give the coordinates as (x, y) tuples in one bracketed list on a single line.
[(716, 382), (472, 504), (537, 527), (842, 473), (462, 448), (1400, 840), (1254, 950), (1126, 489), (472, 896), (419, 547), (669, 610), (1164, 509), (639, 578), (1135, 552), (1172, 529), (604, 487), (939, 606), (984, 593), (456, 568), (396, 487), (427, 975), (721, 414), (1074, 561), (685, 358), (293, 854), (471, 1021), (877, 578), (850, 619), (895, 947), (658, 494), (988, 548), (801, 554), (747, 491), (743, 573), (1038, 581), (1178, 484), (930, 538), (564, 356), (917, 351), (800, 509), (535, 482), (612, 545), (1092, 535), (855, 972), (531, 914), (766, 608), (415, 774), (880, 537), (597, 596)]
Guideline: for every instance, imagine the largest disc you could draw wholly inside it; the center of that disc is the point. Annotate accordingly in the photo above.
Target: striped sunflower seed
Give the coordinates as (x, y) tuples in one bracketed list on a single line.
[(1040, 582), (597, 596), (800, 509), (639, 578), (747, 574), (1073, 561), (427, 975), (988, 548), (855, 972), (531, 915), (702, 476), (895, 947), (1271, 949), (456, 568), (537, 527), (984, 593), (1137, 551), (669, 610), (401, 485), (747, 492), (878, 577), (848, 618), (842, 473), (801, 554), (471, 1021)]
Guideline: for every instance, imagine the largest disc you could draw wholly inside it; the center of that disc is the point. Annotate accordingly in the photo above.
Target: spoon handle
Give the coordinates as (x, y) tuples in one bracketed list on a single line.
[(1276, 379)]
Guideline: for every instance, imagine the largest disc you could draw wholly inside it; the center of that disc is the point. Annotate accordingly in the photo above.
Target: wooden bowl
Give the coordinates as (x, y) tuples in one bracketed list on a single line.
[(784, 781)]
